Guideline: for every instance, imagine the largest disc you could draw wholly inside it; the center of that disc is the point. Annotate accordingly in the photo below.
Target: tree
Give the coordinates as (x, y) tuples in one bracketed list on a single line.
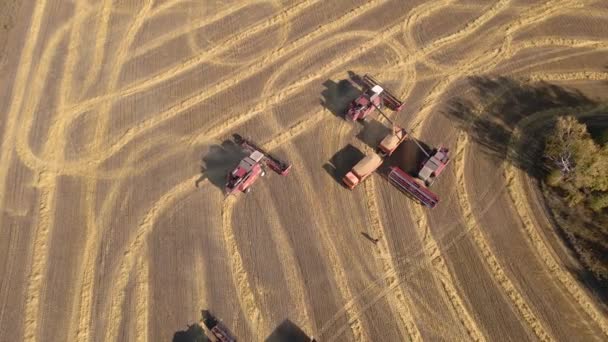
[(579, 165), (564, 145)]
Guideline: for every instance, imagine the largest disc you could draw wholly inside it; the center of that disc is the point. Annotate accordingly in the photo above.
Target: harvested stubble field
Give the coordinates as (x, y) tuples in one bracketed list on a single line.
[(110, 232)]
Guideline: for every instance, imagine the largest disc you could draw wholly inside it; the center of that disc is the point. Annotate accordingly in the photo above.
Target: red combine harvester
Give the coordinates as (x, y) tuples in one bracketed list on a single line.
[(373, 97), (214, 329), (251, 167), (418, 187)]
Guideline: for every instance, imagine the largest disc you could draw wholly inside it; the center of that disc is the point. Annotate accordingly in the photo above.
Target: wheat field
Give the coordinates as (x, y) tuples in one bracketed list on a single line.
[(110, 231)]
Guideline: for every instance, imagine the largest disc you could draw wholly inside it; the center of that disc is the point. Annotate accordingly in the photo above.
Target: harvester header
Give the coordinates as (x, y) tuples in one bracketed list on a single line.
[(390, 100)]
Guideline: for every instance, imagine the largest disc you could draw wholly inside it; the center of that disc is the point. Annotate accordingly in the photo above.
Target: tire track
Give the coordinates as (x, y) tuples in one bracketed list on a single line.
[(433, 252), (245, 296), (146, 226), (399, 304), (486, 60), (569, 76), (87, 287), (47, 185), (336, 264), (106, 152), (133, 252), (290, 268), (486, 251), (81, 323), (21, 83), (142, 314), (518, 47), (360, 333), (119, 61), (188, 103), (46, 180), (90, 184), (275, 56), (539, 245), (191, 34), (46, 215), (416, 15), (81, 326), (213, 18), (101, 37), (404, 268), (234, 41), (7, 152), (65, 88), (42, 71)]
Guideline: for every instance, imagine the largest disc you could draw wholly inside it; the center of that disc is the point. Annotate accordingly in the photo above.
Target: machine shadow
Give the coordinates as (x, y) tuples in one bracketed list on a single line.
[(337, 96), (287, 331), (341, 162), (194, 333), (504, 102), (373, 132), (218, 161), (407, 157)]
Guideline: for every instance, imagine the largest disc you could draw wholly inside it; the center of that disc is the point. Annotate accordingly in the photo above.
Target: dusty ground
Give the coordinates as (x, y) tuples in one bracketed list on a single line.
[(110, 108)]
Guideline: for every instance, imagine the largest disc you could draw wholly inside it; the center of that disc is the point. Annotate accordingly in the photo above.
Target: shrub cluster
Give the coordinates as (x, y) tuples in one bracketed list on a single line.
[(578, 164)]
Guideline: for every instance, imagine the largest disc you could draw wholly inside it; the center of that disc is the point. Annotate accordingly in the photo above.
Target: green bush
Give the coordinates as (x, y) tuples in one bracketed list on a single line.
[(554, 178), (600, 135), (578, 164), (599, 201)]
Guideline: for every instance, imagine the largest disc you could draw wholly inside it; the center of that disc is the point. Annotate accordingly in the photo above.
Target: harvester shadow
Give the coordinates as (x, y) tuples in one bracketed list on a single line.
[(342, 161), (337, 96), (505, 102), (287, 331), (372, 133), (194, 333), (407, 157), (218, 161)]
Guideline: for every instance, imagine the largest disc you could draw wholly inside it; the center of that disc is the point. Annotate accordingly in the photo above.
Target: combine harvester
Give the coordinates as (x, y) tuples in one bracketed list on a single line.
[(419, 187), (214, 329), (431, 167), (374, 96), (251, 168)]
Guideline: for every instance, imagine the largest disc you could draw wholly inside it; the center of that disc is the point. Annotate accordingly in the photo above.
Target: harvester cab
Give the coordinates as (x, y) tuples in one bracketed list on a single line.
[(246, 172), (362, 106), (252, 167), (434, 165), (374, 96)]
